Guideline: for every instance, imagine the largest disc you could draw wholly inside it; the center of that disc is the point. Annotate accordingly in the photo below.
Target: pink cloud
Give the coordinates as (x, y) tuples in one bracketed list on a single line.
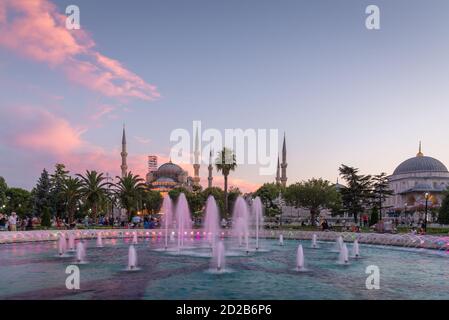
[(102, 111), (38, 129), (243, 185), (36, 30), (142, 140)]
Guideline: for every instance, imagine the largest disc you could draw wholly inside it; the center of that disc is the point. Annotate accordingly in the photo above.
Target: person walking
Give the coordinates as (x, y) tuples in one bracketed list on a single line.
[(13, 222)]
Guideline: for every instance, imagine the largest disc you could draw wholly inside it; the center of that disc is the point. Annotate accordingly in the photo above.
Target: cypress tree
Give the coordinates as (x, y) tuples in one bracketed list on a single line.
[(42, 195)]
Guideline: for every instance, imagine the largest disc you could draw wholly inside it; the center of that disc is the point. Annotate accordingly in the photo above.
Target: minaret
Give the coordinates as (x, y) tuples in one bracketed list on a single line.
[(284, 164), (278, 173), (196, 163), (124, 154), (210, 168), (420, 154)]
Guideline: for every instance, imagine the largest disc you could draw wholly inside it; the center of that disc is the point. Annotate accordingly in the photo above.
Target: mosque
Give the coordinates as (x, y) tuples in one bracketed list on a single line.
[(414, 181), (415, 178), (169, 175)]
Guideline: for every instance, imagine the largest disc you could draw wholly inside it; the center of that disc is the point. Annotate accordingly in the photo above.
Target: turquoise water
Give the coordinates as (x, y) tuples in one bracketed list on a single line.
[(34, 271)]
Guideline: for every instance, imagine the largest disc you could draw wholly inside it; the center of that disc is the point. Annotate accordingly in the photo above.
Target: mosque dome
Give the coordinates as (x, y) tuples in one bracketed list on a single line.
[(420, 163), (169, 169)]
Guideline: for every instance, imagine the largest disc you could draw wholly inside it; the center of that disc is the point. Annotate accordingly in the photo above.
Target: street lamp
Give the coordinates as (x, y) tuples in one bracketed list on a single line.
[(427, 196)]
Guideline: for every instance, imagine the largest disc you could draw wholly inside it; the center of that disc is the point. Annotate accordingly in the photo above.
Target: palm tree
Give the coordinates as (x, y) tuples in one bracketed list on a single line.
[(93, 190), (71, 193), (129, 191), (225, 162)]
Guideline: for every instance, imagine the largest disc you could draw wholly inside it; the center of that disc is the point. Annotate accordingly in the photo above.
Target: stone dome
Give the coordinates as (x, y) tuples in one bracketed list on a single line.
[(169, 169), (420, 163)]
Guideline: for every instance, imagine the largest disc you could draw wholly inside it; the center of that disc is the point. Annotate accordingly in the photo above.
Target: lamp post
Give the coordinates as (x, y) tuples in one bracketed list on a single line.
[(427, 196)]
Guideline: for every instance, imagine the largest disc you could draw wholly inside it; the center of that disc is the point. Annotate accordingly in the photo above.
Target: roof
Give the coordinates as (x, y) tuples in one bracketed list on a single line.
[(420, 164)]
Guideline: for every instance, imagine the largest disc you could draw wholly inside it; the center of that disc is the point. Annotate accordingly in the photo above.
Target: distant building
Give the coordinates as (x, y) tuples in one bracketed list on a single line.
[(415, 177), (152, 163), (167, 177)]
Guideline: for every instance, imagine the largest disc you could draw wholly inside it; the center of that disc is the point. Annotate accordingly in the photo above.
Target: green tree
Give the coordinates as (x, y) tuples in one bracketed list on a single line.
[(233, 194), (19, 201), (41, 195), (46, 218), (57, 180), (443, 214), (93, 190), (218, 195), (268, 193), (381, 191), (129, 192), (3, 189), (313, 195), (195, 200), (225, 163), (374, 216), (174, 193), (152, 201), (357, 193), (72, 194)]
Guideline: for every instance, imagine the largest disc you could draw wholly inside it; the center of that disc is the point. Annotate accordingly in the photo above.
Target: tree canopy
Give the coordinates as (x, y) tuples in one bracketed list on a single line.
[(314, 195)]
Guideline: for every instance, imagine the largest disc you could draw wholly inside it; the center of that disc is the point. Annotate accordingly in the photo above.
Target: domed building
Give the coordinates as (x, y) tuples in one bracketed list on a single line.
[(415, 177), (167, 177)]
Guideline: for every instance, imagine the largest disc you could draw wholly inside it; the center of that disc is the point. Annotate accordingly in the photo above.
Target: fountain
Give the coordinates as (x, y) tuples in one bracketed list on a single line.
[(240, 222), (258, 217), (211, 221), (71, 242), (300, 258), (62, 245), (218, 256), (281, 240), (99, 240), (135, 238), (343, 257), (339, 244), (80, 253), (132, 258), (355, 249), (167, 209), (314, 244), (183, 220)]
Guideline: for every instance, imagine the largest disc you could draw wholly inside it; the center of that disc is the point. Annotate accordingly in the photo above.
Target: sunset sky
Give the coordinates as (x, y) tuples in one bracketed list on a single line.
[(340, 92)]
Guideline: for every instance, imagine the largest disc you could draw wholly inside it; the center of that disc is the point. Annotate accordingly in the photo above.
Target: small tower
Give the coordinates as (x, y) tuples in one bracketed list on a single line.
[(210, 168), (196, 163), (278, 173), (124, 154), (284, 164)]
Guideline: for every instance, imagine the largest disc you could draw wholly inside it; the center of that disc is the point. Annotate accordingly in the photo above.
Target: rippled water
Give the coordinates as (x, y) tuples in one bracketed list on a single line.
[(34, 271)]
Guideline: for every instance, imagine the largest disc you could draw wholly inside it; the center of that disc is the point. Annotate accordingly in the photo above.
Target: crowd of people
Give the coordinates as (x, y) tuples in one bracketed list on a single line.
[(14, 223)]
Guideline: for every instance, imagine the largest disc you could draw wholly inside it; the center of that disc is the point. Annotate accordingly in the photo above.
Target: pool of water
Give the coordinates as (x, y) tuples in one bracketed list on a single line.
[(34, 271)]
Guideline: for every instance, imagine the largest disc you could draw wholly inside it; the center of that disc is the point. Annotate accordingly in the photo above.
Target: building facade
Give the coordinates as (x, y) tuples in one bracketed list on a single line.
[(413, 179)]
